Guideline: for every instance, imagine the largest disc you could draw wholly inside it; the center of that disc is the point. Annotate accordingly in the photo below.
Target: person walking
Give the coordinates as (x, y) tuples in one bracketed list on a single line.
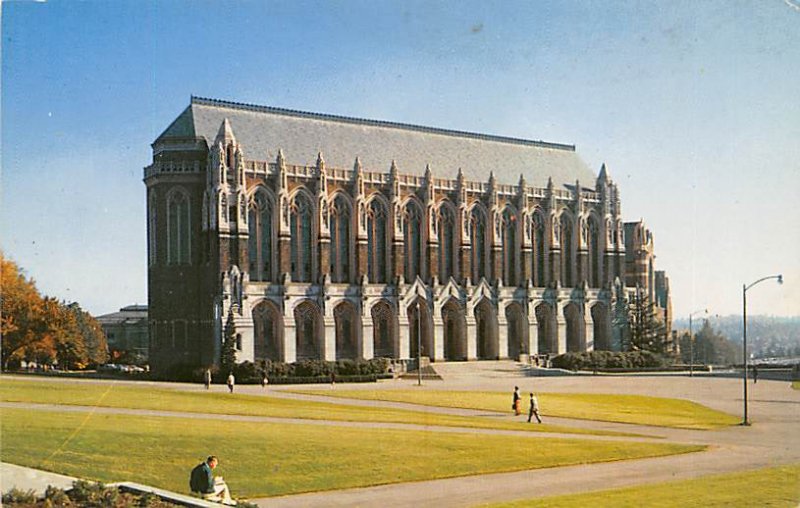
[(517, 402), (264, 380), (755, 374), (207, 379), (534, 410), (231, 382)]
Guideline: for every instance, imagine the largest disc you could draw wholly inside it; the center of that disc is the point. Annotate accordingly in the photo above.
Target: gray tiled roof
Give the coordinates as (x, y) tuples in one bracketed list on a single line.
[(301, 135), (131, 314)]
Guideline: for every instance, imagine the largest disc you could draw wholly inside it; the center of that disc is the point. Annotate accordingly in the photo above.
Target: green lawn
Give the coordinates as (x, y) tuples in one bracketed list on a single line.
[(259, 459), (637, 409), (110, 394), (779, 486), (796, 385)]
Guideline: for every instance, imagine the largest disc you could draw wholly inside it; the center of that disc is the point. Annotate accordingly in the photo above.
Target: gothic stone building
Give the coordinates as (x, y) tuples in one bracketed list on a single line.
[(326, 237)]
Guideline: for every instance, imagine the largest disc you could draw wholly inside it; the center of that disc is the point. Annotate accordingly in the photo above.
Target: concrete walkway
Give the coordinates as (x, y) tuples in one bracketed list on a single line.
[(26, 478)]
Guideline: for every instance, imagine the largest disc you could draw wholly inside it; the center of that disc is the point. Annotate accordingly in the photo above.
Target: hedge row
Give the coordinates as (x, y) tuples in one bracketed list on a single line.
[(610, 360), (370, 378), (249, 372)]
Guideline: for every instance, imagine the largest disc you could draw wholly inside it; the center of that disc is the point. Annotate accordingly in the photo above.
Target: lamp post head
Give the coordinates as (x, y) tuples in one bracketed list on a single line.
[(780, 279)]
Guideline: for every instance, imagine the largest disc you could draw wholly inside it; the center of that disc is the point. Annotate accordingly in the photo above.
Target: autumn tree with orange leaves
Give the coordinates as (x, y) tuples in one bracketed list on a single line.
[(42, 329)]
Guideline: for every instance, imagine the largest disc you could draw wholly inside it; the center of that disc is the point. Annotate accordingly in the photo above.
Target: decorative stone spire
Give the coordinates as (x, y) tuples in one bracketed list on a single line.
[(603, 177), (522, 192), (358, 178), (492, 189), (428, 184), (602, 188), (394, 180), (322, 176), (238, 158), (550, 198), (280, 163), (461, 190), (225, 133)]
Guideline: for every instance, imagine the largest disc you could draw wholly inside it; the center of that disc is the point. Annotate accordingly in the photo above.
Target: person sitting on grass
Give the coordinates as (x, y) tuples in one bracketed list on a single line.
[(209, 487)]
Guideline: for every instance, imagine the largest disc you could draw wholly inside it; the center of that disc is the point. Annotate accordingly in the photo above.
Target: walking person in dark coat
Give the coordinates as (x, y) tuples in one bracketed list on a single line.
[(517, 402)]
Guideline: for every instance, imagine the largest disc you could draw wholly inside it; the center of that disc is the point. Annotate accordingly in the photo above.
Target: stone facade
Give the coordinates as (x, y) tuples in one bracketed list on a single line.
[(323, 261)]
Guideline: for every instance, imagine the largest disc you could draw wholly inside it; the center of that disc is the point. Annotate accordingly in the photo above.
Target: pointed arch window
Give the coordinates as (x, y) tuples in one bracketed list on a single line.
[(300, 245), (446, 227), (412, 235), (538, 249), (260, 239), (151, 228), (595, 253), (478, 242), (509, 247), (178, 228), (340, 219), (376, 242), (567, 251)]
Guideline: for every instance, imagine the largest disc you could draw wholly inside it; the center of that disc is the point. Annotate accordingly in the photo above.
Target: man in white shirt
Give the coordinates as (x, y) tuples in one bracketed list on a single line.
[(534, 410)]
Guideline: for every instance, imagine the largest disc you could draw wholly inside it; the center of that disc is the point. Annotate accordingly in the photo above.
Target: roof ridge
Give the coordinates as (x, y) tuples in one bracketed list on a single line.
[(377, 123)]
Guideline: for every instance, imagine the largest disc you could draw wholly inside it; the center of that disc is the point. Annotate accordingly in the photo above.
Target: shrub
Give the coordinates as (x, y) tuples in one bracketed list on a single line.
[(246, 372), (609, 360), (17, 496)]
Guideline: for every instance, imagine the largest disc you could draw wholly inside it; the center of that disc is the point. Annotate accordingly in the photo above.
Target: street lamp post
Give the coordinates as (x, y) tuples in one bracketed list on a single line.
[(691, 340), (745, 287)]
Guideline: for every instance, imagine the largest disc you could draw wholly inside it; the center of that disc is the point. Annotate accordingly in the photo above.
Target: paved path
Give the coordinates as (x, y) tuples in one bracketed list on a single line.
[(772, 440), (25, 478)]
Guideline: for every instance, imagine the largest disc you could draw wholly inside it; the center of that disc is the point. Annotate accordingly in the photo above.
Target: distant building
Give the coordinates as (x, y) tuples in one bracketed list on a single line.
[(127, 330), (325, 237)]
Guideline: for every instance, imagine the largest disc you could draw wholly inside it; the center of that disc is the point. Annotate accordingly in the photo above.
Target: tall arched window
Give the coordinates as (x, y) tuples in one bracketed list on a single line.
[(509, 247), (477, 240), (376, 242), (340, 218), (309, 344), (301, 226), (260, 240), (538, 249), (447, 228), (567, 250), (151, 228), (383, 330), (412, 235), (178, 228), (595, 253)]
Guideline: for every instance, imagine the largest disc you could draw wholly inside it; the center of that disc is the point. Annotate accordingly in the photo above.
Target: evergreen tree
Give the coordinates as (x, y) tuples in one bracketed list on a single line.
[(646, 332), (228, 354), (710, 346)]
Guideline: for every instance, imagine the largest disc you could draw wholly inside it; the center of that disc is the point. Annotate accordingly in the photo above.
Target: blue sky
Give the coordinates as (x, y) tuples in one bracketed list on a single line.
[(694, 106)]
